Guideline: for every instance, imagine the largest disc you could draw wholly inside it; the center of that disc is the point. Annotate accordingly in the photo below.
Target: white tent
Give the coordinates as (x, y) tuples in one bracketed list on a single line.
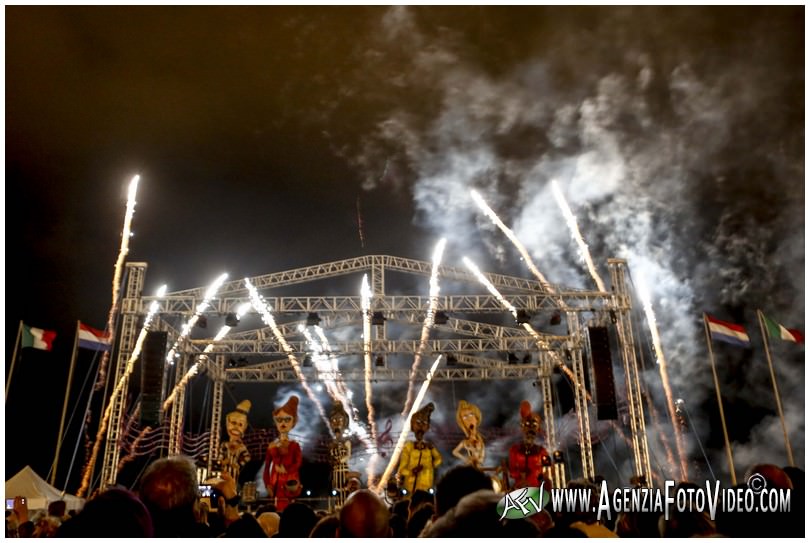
[(37, 491)]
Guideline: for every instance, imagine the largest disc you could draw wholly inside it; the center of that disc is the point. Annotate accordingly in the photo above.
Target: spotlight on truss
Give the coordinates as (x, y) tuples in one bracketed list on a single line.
[(523, 317), (232, 320), (440, 318), (313, 319), (377, 318)]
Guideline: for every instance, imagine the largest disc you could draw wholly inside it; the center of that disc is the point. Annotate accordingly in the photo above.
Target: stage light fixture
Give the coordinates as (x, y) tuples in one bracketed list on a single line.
[(556, 319), (231, 363), (527, 359), (307, 362), (232, 320), (523, 317), (377, 318), (313, 319), (511, 358), (202, 322), (558, 457), (440, 317), (451, 360), (379, 361)]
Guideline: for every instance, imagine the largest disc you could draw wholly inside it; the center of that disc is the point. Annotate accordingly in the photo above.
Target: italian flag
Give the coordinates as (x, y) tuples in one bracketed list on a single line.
[(777, 331), (37, 338)]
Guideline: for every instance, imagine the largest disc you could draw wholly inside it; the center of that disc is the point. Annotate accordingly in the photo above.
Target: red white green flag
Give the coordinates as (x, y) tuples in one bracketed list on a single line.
[(37, 338), (777, 331)]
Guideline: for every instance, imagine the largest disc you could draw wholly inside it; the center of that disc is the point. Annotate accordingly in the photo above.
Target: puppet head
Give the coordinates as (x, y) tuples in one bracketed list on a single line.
[(338, 419), (468, 417), (236, 420), (420, 422), (286, 416), (530, 423)]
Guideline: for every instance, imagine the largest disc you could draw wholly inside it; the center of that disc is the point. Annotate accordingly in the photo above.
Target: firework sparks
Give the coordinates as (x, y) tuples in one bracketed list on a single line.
[(119, 386), (403, 435), (189, 325), (194, 369), (261, 306), (511, 235), (428, 324), (116, 284), (572, 225), (365, 300), (662, 369)]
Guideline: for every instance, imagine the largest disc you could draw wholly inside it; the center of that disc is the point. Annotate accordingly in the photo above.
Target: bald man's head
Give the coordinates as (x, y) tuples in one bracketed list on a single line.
[(364, 515)]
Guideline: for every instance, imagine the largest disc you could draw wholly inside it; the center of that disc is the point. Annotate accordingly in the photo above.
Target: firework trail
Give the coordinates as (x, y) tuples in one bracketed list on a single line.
[(511, 235), (662, 369), (365, 300), (360, 226), (542, 343), (261, 306), (428, 324), (119, 386), (189, 325), (572, 225), (194, 369), (326, 362), (116, 284), (133, 450), (403, 435)]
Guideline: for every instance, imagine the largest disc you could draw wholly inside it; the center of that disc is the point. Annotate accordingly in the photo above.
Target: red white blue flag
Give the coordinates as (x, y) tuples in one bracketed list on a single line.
[(90, 338), (728, 332)]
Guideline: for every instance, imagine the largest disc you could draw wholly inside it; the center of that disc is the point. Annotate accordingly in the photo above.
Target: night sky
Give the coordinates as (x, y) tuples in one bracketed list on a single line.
[(676, 134)]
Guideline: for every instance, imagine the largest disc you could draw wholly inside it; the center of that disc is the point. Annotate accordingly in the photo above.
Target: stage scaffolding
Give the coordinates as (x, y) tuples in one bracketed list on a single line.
[(474, 348)]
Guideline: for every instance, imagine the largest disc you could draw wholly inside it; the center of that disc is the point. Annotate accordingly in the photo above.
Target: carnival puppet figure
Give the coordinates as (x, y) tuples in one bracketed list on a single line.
[(527, 459), (283, 460), (233, 454), (419, 458), (470, 450), (340, 450)]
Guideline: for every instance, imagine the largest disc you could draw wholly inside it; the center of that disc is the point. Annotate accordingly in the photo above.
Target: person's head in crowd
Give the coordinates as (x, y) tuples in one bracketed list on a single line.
[(418, 498), (170, 491), (686, 524), (398, 525), (115, 513), (297, 520), (589, 516), (457, 483), (476, 515), (46, 525), (57, 509), (401, 508), (326, 527), (269, 522), (354, 484), (364, 514), (419, 518), (637, 524)]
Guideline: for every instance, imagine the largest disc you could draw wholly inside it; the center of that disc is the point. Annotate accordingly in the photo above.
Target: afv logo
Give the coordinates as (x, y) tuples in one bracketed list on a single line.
[(523, 502)]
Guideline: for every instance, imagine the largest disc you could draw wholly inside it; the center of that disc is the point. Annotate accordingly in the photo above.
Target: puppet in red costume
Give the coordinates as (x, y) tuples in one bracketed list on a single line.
[(527, 459), (283, 458)]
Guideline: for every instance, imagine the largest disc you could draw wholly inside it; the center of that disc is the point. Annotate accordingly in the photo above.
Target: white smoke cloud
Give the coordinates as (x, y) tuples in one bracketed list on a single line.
[(644, 151)]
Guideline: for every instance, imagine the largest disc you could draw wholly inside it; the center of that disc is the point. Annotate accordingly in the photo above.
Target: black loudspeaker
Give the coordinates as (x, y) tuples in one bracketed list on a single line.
[(153, 357), (605, 387)]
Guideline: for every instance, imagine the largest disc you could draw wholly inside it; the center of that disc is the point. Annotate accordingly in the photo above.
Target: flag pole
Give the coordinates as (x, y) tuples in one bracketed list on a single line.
[(65, 405), (14, 357), (775, 387), (720, 402)]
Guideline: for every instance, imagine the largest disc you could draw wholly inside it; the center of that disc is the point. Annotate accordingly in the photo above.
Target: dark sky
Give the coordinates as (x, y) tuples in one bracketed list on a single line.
[(677, 135)]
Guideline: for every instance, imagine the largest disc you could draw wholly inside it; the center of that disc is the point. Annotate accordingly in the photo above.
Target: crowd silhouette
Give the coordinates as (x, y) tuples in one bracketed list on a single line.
[(167, 504)]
